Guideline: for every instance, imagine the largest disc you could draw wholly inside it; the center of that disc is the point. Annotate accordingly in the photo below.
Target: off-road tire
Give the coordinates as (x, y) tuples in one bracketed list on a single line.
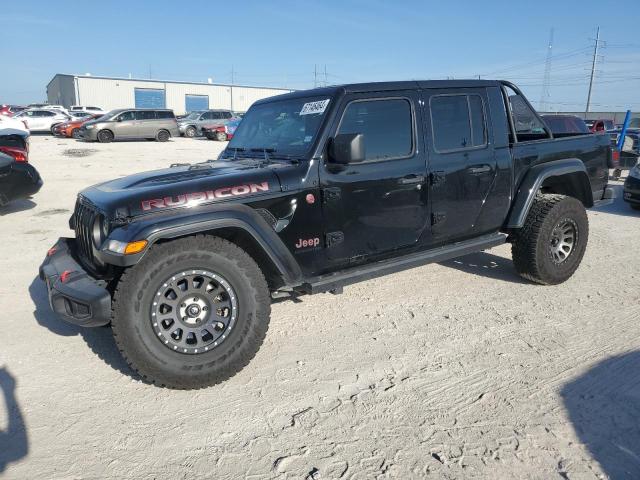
[(105, 136), (134, 296), (163, 136), (190, 132), (531, 245)]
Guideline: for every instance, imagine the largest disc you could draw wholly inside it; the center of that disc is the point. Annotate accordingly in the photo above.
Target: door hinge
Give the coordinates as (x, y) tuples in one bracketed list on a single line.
[(334, 238), (437, 177), (437, 217), (331, 194)]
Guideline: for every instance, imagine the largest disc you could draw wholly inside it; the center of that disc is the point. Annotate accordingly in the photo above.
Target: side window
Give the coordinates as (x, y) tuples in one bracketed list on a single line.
[(145, 115), (226, 114), (450, 122), (386, 125), (164, 114), (525, 120), (216, 115), (206, 116), (126, 116), (458, 122)]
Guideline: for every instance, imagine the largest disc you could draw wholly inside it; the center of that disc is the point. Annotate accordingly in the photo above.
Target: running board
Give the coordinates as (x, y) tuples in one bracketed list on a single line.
[(337, 280)]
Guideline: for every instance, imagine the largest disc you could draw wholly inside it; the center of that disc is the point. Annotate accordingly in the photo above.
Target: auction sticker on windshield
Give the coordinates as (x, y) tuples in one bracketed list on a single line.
[(314, 107)]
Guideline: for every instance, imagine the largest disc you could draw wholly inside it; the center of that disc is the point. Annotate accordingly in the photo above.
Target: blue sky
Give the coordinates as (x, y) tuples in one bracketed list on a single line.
[(278, 43)]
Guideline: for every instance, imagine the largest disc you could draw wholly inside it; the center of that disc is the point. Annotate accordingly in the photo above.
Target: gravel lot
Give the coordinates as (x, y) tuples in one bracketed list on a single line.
[(455, 370)]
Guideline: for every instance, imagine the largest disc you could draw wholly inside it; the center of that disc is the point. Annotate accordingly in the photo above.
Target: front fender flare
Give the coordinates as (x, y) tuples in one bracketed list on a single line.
[(534, 180), (176, 223)]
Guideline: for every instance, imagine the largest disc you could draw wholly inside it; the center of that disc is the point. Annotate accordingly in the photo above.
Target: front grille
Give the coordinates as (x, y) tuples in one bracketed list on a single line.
[(84, 217)]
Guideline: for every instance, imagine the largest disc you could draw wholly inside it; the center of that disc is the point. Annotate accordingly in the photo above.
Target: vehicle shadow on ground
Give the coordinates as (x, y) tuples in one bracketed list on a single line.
[(604, 408), (17, 206), (619, 206), (14, 443), (487, 265), (99, 340)]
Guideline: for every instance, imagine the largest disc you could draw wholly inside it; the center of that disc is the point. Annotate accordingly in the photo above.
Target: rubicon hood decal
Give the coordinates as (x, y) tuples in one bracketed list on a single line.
[(195, 198)]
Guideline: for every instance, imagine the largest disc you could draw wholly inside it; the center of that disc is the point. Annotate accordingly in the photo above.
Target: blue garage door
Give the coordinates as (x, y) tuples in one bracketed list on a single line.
[(196, 102), (149, 98)]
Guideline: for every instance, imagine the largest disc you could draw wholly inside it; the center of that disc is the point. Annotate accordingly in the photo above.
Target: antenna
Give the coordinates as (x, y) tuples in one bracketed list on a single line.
[(545, 95)]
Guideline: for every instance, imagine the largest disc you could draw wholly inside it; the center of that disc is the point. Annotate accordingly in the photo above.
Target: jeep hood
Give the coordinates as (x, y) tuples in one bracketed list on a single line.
[(184, 187)]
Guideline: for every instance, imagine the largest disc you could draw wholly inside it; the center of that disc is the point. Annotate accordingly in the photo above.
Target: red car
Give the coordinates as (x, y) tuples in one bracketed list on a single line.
[(10, 110), (600, 125), (71, 129), (222, 133)]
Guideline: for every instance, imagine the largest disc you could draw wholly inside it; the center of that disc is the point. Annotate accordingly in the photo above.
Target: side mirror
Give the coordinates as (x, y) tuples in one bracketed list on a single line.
[(119, 119), (347, 148)]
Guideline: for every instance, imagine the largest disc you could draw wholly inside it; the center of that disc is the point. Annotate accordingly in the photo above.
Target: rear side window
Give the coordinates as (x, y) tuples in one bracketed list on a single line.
[(165, 114), (206, 116), (145, 115), (387, 127), (226, 114), (458, 122)]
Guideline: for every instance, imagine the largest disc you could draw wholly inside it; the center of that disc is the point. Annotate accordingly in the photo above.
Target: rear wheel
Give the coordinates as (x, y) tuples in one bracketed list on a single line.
[(221, 136), (192, 313), (549, 247), (105, 136), (163, 136), (190, 132)]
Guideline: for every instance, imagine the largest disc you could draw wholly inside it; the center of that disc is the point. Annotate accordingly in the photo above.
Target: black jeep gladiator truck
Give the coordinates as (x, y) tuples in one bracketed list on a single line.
[(317, 190)]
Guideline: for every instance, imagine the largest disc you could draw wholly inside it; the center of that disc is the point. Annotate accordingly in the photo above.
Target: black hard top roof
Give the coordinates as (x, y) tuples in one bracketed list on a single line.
[(384, 86)]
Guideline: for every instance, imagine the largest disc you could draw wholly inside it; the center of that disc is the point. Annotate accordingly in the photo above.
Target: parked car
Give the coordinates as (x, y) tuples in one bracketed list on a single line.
[(317, 190), (631, 187), (71, 129), (18, 179), (600, 125), (42, 120), (46, 106), (131, 123), (11, 122), (629, 154), (79, 115), (90, 110), (10, 110), (222, 133), (191, 125), (566, 124)]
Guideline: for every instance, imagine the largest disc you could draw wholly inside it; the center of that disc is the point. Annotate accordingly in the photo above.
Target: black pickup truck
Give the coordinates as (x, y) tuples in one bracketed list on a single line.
[(317, 190)]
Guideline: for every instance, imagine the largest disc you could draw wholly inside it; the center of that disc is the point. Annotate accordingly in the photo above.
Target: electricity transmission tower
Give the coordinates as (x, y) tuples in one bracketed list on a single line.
[(544, 97)]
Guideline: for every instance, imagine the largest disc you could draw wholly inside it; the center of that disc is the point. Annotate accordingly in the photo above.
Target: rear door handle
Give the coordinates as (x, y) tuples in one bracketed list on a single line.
[(479, 169), (409, 179)]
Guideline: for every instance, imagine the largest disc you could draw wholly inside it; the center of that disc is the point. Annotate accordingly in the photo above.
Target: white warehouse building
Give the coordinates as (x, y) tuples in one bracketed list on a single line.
[(110, 93)]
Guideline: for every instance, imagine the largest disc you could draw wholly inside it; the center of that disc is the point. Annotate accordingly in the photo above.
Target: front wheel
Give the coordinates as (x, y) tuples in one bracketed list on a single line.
[(105, 136), (75, 133), (221, 136), (192, 313), (549, 247), (190, 132)]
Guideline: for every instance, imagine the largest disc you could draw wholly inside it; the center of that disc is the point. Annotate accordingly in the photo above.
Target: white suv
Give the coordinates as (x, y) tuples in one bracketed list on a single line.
[(81, 108), (40, 120)]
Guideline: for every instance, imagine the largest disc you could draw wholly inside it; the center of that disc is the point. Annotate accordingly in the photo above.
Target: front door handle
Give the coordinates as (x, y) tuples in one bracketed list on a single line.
[(409, 179), (475, 169)]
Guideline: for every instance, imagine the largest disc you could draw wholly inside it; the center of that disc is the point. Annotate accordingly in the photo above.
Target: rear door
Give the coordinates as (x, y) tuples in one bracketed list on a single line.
[(462, 161), (379, 205), (147, 123)]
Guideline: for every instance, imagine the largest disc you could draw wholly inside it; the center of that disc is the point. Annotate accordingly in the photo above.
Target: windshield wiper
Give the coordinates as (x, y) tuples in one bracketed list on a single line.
[(236, 150), (266, 151)]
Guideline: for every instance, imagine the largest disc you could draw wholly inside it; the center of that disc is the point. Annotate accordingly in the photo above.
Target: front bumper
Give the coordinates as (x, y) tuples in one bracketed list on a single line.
[(632, 190), (89, 133), (79, 299)]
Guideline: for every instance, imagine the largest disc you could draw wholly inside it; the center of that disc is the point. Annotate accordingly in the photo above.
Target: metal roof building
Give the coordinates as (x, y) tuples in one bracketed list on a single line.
[(112, 92)]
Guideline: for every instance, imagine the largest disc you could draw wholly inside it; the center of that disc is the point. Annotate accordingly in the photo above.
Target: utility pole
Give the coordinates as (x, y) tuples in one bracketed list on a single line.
[(315, 76), (232, 79), (326, 82), (593, 71), (149, 71), (544, 96)]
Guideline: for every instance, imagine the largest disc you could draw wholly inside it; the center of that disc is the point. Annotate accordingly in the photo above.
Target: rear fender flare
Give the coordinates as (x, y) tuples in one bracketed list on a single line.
[(577, 182)]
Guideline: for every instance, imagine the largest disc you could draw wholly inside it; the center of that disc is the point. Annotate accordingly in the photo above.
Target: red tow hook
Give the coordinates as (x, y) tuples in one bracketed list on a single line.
[(51, 251), (65, 275)]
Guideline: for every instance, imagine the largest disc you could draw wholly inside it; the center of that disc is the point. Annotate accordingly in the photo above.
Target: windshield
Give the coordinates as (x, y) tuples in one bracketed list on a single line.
[(286, 127)]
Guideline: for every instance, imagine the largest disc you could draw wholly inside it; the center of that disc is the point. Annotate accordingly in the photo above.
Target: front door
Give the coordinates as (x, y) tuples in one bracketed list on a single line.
[(126, 125), (462, 162), (379, 205)]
